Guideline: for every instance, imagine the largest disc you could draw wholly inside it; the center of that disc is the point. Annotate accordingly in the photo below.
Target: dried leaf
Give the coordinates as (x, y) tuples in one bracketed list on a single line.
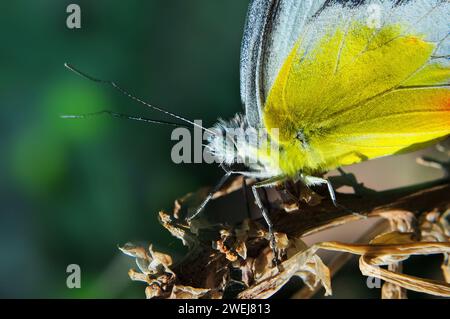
[(241, 250), (134, 251), (315, 272), (205, 272), (138, 276), (372, 256), (305, 264), (390, 290), (229, 254), (263, 263), (281, 241), (160, 258), (446, 268), (393, 238), (178, 230), (431, 287), (153, 291), (401, 220), (186, 292)]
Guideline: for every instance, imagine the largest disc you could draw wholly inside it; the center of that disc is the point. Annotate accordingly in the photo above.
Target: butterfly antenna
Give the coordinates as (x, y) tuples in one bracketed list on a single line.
[(122, 116), (126, 93)]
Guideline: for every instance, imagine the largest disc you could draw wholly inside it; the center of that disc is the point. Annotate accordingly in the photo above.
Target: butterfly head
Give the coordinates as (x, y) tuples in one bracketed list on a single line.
[(235, 142)]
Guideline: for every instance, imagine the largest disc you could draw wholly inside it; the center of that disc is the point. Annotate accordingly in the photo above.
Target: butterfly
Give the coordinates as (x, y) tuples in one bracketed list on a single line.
[(340, 82), (343, 82)]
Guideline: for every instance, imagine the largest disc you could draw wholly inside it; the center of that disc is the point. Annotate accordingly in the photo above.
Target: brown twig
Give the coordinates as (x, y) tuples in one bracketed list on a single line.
[(216, 249)]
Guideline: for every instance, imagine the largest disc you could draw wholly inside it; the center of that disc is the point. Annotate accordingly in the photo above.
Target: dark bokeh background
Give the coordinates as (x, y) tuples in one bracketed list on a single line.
[(72, 190)]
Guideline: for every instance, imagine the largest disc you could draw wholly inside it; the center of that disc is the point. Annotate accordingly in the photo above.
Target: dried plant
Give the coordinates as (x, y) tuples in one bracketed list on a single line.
[(224, 256)]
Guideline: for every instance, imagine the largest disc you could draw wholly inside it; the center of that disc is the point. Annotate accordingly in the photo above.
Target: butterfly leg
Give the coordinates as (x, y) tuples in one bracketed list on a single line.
[(245, 193), (216, 188), (210, 195), (267, 183), (312, 180)]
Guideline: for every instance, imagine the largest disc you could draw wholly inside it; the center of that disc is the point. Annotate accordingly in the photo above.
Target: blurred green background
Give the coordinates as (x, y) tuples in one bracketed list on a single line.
[(72, 190)]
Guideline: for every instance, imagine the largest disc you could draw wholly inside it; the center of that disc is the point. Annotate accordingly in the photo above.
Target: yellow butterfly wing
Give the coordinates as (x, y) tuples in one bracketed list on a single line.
[(358, 93)]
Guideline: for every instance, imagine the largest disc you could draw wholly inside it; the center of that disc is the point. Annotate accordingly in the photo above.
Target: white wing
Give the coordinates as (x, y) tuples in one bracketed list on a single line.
[(271, 25), (274, 26), (258, 14)]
